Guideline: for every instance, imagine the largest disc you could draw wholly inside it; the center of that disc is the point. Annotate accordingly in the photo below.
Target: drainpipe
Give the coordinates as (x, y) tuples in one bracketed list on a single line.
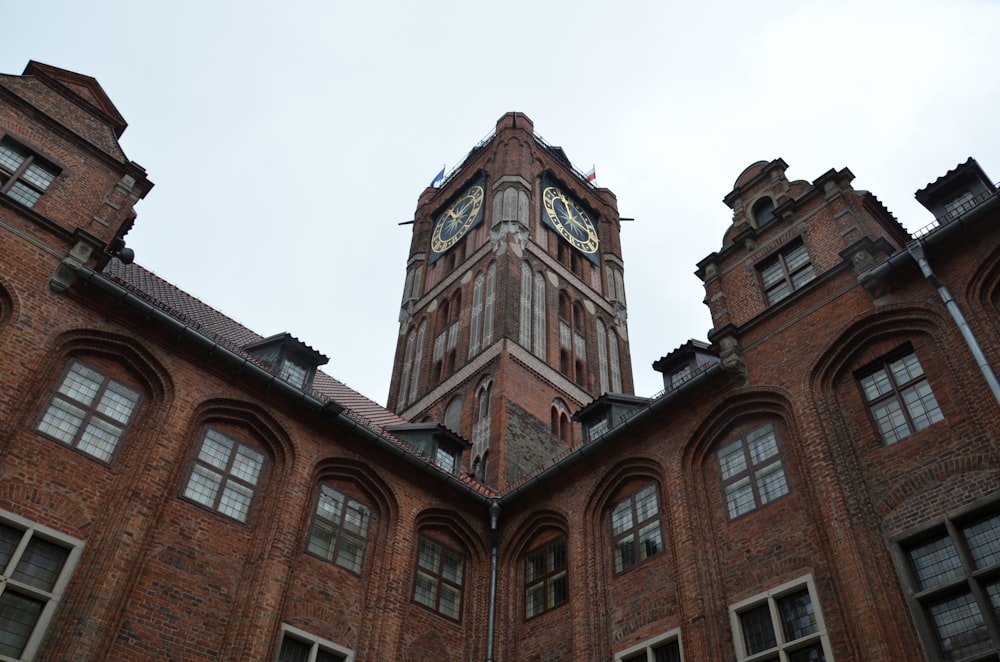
[(494, 548), (916, 250)]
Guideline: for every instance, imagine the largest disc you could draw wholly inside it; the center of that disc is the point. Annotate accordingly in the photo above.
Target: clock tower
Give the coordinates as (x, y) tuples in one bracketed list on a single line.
[(513, 314)]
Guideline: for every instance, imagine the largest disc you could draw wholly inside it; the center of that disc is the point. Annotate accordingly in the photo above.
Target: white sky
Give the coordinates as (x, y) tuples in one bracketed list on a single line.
[(287, 140)]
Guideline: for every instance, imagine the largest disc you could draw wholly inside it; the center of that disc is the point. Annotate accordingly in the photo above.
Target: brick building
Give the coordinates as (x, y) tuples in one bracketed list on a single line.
[(817, 480)]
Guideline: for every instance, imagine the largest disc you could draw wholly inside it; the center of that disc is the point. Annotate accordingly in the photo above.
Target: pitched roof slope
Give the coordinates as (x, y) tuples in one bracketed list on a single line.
[(234, 337)]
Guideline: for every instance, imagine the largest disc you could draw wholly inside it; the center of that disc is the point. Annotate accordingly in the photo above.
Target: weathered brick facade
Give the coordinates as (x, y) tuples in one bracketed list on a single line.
[(819, 481)]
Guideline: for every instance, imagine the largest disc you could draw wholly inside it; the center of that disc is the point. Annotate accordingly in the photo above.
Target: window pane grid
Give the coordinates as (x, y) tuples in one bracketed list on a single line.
[(781, 627), (224, 475), (21, 176), (89, 411), (953, 581), (30, 569), (900, 398), (439, 578), (545, 578), (753, 473), (636, 520), (785, 273)]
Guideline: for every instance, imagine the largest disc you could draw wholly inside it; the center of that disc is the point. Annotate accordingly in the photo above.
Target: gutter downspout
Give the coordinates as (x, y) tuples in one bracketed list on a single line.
[(916, 250), (494, 549)]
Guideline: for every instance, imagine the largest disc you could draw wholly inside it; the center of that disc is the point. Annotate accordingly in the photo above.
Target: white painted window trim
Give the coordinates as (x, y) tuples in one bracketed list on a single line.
[(665, 638), (75, 550), (315, 641), (771, 597)]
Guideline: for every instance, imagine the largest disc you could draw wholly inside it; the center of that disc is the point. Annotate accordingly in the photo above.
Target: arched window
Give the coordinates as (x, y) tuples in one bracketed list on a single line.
[(539, 315), (404, 383), (481, 426), (447, 336), (532, 327), (491, 296), (560, 421), (763, 211), (602, 355), (572, 341), (613, 360), (453, 414), (417, 359), (477, 312)]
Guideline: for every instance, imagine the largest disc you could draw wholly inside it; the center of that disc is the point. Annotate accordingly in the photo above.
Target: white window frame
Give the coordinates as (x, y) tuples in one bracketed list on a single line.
[(316, 642), (770, 598), (649, 644), (54, 597)]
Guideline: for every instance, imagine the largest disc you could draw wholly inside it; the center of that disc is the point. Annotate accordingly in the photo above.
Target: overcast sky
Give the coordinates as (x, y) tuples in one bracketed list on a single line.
[(288, 140)]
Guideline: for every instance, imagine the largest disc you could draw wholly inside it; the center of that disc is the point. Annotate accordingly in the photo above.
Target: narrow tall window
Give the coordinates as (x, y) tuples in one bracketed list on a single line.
[(540, 326), (23, 176), (752, 471), (89, 411), (491, 297), (602, 356), (225, 475), (545, 585), (477, 312), (635, 528), (418, 358), (899, 397), (404, 382), (786, 272), (439, 579), (35, 564), (783, 624), (527, 287), (614, 361), (340, 529)]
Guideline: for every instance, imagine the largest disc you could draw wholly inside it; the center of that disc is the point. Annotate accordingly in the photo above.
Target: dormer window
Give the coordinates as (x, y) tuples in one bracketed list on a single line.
[(763, 211), (23, 176), (293, 373), (290, 359), (959, 204), (438, 444)]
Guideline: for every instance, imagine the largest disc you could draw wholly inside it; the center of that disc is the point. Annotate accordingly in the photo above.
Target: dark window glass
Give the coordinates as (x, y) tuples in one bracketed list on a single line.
[(899, 397), (635, 528)]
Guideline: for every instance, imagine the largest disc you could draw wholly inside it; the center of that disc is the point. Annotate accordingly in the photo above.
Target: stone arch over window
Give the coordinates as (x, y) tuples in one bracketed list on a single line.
[(763, 211), (745, 453), (448, 563), (537, 561), (239, 457), (877, 370), (102, 395), (984, 287), (626, 516), (375, 511)]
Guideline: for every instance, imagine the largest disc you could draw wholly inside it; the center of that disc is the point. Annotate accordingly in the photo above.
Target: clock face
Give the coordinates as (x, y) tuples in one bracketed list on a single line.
[(456, 219), (570, 220)]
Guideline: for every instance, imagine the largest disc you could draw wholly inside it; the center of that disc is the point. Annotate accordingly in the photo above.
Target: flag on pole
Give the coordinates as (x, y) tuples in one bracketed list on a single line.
[(591, 174), (438, 178)]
